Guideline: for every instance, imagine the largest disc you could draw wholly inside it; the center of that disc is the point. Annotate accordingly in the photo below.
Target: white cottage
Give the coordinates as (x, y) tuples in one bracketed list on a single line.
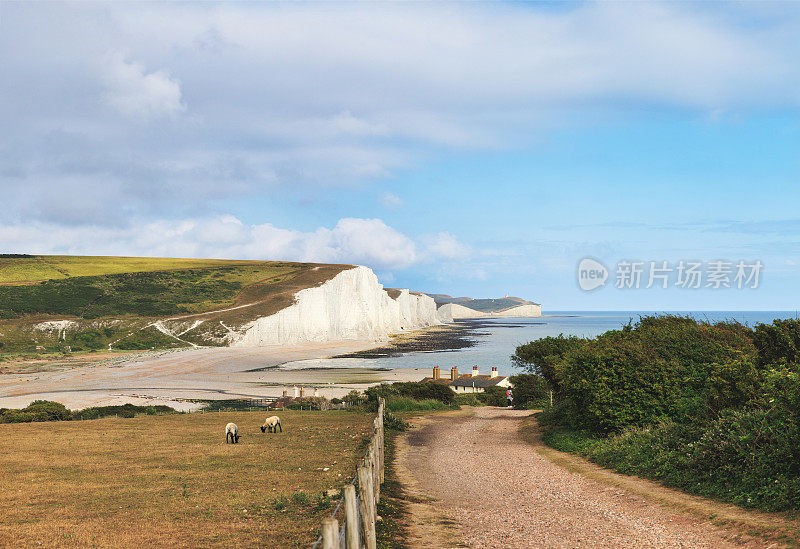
[(470, 383)]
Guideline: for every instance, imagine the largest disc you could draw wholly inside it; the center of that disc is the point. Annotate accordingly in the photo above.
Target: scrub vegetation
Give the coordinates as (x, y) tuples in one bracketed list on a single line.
[(709, 408)]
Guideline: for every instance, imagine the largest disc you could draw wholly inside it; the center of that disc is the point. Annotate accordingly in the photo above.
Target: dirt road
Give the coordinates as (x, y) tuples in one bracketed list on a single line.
[(476, 483)]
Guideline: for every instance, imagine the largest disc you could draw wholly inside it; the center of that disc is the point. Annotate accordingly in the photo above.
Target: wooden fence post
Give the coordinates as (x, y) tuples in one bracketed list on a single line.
[(367, 507), (330, 533), (381, 448), (352, 535)]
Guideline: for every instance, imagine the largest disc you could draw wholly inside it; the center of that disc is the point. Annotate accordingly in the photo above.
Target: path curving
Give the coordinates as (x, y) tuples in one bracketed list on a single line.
[(474, 477)]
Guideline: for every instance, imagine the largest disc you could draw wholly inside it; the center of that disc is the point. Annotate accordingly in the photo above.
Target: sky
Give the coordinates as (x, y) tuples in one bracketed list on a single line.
[(472, 149)]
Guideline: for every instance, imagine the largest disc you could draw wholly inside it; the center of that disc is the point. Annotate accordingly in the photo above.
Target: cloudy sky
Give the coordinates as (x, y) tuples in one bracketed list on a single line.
[(473, 149)]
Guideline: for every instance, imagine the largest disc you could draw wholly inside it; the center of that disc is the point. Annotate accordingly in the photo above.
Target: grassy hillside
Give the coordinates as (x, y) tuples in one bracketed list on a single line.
[(116, 300), (171, 481), (36, 268)]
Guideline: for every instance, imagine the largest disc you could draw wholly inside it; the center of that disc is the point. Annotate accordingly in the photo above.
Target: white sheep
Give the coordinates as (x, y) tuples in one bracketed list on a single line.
[(273, 423), (231, 433)]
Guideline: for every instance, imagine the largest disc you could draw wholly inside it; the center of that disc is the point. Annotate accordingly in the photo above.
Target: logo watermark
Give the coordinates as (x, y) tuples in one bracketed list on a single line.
[(591, 274), (683, 274)]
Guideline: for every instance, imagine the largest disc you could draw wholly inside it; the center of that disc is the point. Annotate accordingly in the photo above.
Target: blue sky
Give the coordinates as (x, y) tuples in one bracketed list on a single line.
[(471, 149)]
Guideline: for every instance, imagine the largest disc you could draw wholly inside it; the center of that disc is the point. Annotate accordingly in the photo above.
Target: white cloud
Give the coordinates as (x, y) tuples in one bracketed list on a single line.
[(284, 101), (137, 94), (391, 201), (446, 245), (352, 240)]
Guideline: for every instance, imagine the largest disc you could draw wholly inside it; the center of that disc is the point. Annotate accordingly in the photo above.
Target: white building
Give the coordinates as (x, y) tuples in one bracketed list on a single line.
[(470, 383)]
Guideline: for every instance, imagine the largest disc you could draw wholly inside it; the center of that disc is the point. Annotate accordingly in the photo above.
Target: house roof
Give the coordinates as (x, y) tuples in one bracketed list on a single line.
[(442, 380), (483, 381)]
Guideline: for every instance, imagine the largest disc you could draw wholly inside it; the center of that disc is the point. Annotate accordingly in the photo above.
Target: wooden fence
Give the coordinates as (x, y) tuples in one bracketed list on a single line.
[(360, 502)]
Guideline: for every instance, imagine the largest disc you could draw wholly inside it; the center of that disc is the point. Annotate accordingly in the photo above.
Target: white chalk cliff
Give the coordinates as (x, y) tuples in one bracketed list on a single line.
[(449, 311), (454, 310), (351, 305)]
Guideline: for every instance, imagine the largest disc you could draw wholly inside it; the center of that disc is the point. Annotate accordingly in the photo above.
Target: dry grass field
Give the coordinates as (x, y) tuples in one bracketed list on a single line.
[(171, 481)]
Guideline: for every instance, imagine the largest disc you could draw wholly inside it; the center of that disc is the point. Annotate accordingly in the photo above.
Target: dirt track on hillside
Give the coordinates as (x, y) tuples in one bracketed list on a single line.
[(474, 482)]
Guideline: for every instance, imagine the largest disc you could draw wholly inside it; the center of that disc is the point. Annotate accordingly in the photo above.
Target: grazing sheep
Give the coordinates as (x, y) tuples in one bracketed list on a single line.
[(231, 433), (272, 423)]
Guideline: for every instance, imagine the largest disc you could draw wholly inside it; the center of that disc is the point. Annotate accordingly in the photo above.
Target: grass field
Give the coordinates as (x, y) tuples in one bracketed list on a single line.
[(26, 270), (172, 481)]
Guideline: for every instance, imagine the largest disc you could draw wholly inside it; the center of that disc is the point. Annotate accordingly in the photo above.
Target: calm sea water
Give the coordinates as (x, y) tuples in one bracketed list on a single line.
[(497, 345)]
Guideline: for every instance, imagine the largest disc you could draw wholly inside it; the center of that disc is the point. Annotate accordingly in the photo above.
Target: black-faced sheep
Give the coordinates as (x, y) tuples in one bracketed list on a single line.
[(273, 423), (231, 433)]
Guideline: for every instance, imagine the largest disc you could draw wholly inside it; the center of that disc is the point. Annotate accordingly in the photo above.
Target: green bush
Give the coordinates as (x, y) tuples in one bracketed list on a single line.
[(38, 410), (406, 404), (666, 367), (494, 396), (713, 409), (410, 389), (778, 343), (393, 422), (751, 458), (468, 399), (125, 410), (529, 390), (541, 356)]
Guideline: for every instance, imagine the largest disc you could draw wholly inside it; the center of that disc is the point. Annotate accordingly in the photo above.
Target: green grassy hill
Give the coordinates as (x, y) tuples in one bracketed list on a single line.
[(116, 301)]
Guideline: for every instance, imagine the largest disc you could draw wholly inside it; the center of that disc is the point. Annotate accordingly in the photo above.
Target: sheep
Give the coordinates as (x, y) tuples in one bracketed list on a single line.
[(231, 433), (272, 423)]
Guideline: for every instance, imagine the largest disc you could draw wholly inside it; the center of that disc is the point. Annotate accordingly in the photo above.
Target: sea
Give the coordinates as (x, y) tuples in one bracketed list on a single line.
[(499, 337)]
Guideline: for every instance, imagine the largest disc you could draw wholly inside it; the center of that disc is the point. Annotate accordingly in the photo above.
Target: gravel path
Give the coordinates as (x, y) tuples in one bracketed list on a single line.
[(502, 493)]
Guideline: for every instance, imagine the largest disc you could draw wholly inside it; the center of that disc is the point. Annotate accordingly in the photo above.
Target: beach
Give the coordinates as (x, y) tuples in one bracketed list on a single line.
[(180, 378)]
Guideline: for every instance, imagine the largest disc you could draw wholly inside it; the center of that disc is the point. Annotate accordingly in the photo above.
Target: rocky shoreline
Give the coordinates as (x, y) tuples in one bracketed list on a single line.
[(460, 334)]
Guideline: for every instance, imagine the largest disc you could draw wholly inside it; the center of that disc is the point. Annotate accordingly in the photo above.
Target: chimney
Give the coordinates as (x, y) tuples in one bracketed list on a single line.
[(475, 370), (494, 371), (435, 372), (453, 373)]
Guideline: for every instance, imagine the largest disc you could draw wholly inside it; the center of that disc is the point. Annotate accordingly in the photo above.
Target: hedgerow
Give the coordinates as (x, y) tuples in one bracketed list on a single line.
[(709, 408)]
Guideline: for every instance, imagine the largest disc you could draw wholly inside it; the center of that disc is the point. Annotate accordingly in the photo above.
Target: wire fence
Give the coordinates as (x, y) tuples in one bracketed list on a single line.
[(359, 499)]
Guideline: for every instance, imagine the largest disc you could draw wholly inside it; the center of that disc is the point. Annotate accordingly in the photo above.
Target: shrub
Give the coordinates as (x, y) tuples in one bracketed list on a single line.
[(410, 389), (541, 356), (494, 396), (38, 410), (393, 422), (52, 411), (354, 398), (468, 399), (126, 411), (529, 389), (666, 367), (778, 343), (405, 404)]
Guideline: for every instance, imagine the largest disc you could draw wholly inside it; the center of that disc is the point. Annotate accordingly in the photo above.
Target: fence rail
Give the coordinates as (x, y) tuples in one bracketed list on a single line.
[(360, 502)]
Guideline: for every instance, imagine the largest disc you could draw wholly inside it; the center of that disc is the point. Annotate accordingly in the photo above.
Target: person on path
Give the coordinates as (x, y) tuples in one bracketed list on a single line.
[(509, 397)]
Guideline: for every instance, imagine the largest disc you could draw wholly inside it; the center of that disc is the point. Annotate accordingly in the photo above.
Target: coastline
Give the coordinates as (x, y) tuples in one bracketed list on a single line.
[(179, 377)]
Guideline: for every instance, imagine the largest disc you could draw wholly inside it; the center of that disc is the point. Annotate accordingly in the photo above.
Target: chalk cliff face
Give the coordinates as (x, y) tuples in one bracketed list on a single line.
[(351, 305), (520, 311), (449, 311), (454, 310)]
